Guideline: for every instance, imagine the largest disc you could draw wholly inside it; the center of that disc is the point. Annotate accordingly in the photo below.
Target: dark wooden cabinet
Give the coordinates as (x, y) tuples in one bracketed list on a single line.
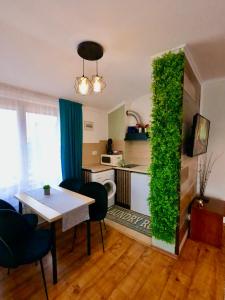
[(123, 180), (207, 222)]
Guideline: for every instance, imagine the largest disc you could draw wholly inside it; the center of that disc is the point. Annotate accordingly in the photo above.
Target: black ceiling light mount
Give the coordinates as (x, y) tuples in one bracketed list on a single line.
[(89, 50)]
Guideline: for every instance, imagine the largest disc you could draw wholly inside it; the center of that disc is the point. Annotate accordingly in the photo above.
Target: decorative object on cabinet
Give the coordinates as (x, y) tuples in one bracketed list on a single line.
[(200, 202), (205, 168), (166, 135)]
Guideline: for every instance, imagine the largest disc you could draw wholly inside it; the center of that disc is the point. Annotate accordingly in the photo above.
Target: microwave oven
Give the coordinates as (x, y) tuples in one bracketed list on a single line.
[(111, 160)]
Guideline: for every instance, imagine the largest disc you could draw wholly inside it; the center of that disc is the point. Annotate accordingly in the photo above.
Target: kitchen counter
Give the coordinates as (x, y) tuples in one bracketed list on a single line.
[(101, 168), (138, 169), (97, 168)]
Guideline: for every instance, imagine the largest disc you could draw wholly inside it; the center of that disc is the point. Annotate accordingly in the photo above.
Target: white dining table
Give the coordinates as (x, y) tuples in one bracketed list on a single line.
[(52, 216)]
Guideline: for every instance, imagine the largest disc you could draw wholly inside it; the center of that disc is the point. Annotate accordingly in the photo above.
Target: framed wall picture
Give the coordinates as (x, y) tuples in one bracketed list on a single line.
[(88, 125)]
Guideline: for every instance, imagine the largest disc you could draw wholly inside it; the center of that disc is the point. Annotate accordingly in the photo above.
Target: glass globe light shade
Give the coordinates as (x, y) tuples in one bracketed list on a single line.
[(98, 83), (83, 85)]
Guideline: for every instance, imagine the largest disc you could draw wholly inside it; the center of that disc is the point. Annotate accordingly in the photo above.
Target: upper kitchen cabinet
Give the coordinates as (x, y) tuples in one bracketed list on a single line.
[(136, 136)]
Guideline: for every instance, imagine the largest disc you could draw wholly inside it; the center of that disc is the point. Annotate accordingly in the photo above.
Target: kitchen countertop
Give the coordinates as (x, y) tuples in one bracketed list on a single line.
[(138, 169), (97, 168), (100, 168)]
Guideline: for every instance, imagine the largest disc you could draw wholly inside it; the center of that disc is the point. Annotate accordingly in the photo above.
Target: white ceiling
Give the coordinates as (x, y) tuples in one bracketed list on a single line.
[(38, 41)]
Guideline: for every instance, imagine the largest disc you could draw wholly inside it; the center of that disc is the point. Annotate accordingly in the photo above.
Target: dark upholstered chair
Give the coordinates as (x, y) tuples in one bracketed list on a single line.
[(32, 219), (97, 210), (72, 184), (20, 244)]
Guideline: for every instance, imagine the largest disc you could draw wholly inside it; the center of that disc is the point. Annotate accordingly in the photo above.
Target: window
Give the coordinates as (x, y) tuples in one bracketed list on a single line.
[(29, 149), (42, 144), (9, 149)]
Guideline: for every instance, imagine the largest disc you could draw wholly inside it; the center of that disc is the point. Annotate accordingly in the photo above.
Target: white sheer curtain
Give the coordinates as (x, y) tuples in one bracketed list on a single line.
[(29, 141)]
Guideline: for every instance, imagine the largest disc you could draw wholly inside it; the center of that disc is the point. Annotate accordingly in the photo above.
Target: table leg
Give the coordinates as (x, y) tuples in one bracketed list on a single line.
[(53, 251), (88, 237), (20, 207)]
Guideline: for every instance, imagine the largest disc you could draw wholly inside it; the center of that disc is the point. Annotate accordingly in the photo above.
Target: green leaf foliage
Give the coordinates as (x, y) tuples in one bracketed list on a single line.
[(165, 142)]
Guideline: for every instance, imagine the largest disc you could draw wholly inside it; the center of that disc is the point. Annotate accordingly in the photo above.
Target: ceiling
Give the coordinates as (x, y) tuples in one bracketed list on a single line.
[(39, 40)]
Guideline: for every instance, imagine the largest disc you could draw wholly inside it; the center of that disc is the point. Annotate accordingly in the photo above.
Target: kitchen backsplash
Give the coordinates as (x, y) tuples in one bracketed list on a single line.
[(137, 152), (92, 152)]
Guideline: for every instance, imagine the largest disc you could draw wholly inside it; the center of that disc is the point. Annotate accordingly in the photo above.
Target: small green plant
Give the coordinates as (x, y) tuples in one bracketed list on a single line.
[(46, 187), (165, 142)]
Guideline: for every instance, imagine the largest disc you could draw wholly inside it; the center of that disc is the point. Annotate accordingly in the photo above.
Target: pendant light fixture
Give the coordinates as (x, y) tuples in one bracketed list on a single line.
[(97, 81), (83, 86), (89, 50)]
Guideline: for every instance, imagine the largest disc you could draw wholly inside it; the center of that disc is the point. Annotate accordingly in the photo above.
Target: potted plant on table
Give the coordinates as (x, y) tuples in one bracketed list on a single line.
[(46, 189)]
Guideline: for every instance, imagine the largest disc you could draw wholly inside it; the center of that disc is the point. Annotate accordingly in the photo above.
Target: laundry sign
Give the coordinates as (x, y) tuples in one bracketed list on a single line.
[(129, 218)]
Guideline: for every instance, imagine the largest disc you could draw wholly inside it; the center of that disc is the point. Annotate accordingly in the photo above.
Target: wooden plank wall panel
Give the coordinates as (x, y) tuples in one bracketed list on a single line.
[(86, 176), (123, 181), (186, 198), (189, 165)]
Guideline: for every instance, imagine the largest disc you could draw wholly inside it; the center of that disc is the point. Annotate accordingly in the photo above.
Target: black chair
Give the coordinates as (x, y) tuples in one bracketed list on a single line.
[(20, 244), (32, 219), (97, 210), (71, 184)]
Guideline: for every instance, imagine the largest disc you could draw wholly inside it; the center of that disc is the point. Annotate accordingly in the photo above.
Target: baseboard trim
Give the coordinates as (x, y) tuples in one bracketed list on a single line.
[(174, 256), (137, 236)]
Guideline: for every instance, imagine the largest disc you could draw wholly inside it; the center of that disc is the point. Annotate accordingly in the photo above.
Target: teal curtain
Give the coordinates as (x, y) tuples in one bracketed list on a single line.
[(71, 127)]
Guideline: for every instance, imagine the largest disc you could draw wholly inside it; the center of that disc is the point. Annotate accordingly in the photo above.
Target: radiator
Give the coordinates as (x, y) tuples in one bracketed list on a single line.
[(123, 188)]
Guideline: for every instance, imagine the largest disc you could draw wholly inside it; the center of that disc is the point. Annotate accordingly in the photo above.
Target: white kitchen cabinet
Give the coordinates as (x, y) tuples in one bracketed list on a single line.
[(139, 193)]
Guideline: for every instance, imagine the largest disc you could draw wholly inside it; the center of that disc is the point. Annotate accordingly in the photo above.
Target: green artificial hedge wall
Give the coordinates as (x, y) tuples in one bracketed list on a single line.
[(165, 141)]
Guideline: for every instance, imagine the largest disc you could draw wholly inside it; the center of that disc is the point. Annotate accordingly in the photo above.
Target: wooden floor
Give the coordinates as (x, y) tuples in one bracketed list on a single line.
[(127, 270)]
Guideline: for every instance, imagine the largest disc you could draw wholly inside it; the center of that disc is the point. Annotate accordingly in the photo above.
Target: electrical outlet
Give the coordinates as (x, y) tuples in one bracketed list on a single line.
[(94, 152)]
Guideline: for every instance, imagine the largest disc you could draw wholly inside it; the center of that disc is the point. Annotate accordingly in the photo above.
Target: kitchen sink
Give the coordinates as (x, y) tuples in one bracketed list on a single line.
[(129, 166)]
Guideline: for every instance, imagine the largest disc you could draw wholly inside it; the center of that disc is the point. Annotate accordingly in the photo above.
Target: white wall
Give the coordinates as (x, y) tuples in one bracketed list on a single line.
[(143, 106), (100, 120), (213, 108)]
